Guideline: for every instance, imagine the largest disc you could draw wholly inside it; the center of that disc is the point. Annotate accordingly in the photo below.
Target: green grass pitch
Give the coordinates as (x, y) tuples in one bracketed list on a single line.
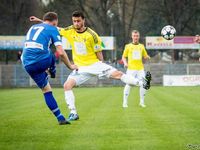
[(171, 120)]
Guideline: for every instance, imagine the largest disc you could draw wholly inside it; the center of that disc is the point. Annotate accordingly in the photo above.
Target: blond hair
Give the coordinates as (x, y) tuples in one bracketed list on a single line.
[(135, 31)]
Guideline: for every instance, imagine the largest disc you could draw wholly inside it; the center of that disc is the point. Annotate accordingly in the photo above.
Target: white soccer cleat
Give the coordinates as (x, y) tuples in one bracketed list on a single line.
[(125, 105), (142, 105)]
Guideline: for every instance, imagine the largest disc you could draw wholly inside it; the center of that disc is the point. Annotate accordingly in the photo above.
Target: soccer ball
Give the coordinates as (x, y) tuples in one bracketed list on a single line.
[(168, 32)]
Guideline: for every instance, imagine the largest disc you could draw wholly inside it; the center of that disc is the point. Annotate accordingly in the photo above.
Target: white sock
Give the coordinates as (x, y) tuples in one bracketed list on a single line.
[(128, 79), (70, 100), (142, 94), (126, 93)]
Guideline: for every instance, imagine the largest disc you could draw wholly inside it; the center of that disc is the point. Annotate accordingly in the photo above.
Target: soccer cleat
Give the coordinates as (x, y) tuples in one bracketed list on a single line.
[(142, 105), (63, 122), (125, 105), (147, 80), (52, 72), (73, 117)]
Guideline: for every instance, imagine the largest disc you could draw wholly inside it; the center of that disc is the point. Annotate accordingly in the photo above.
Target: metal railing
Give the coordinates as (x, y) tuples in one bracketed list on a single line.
[(16, 76)]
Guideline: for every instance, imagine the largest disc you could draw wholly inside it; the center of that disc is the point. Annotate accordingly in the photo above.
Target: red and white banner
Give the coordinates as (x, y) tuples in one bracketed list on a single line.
[(181, 80), (179, 42)]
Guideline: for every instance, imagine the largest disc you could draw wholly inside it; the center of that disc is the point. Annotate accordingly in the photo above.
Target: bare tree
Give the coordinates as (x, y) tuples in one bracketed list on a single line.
[(127, 13), (96, 14), (14, 15)]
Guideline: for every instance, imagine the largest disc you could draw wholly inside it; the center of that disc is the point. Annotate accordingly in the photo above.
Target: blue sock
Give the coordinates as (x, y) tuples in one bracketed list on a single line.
[(52, 104)]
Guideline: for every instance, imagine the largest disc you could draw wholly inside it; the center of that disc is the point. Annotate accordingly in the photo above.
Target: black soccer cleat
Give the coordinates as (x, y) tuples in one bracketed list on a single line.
[(63, 122), (148, 76), (52, 72), (147, 80)]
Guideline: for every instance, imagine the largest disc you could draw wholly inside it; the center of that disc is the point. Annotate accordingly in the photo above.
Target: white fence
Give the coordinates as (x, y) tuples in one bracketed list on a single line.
[(15, 75)]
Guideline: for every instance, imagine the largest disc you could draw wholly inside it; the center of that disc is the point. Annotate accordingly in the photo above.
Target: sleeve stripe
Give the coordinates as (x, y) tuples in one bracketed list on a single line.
[(57, 43), (93, 35)]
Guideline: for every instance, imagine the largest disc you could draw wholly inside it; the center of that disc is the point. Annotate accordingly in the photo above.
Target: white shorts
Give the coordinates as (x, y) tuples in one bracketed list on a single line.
[(139, 74), (84, 73)]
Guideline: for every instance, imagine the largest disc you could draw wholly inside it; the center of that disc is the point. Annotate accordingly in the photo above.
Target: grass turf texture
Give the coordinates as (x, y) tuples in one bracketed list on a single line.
[(170, 121)]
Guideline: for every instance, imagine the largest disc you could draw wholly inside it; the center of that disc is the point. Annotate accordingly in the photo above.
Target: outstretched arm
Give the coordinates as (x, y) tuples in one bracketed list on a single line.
[(65, 58), (35, 19)]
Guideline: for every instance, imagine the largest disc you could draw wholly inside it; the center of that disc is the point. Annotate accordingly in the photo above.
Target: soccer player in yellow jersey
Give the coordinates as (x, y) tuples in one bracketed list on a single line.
[(135, 52), (87, 55)]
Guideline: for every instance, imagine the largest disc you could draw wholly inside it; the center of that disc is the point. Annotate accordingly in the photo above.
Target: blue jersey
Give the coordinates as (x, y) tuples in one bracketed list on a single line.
[(38, 41)]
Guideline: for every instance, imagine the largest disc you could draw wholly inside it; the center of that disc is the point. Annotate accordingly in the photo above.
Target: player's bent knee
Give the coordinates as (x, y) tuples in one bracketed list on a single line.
[(116, 74), (68, 85), (47, 88)]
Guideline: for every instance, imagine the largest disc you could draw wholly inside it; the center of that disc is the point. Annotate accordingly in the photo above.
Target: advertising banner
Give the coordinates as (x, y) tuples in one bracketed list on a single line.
[(181, 80), (179, 42)]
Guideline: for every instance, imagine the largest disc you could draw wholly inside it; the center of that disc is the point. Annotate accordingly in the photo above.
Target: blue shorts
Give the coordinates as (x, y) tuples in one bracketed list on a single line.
[(37, 71)]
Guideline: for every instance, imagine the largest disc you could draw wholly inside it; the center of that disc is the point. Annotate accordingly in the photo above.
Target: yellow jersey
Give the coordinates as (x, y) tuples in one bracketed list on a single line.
[(135, 53), (84, 45)]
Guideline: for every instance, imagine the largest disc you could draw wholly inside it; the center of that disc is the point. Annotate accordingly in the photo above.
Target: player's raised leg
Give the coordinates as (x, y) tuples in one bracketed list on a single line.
[(128, 79)]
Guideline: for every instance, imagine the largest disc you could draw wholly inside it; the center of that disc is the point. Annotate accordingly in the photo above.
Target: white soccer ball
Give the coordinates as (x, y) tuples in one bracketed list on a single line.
[(168, 32)]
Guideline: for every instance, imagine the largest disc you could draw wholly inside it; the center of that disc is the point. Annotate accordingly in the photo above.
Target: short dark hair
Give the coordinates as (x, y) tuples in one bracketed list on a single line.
[(78, 14), (50, 16)]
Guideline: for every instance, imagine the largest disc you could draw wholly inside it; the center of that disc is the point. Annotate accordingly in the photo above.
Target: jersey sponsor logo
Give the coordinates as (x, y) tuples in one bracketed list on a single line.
[(33, 45), (80, 48), (136, 55)]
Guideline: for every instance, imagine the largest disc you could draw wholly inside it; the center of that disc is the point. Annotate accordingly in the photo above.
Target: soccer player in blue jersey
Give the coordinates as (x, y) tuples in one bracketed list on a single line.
[(38, 59)]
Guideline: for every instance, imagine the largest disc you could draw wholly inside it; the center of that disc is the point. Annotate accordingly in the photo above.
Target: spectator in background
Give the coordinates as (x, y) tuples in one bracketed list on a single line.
[(19, 53), (197, 40), (121, 63)]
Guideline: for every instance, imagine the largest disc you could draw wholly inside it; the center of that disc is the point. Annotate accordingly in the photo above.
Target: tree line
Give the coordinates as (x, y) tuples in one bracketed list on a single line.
[(106, 17)]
